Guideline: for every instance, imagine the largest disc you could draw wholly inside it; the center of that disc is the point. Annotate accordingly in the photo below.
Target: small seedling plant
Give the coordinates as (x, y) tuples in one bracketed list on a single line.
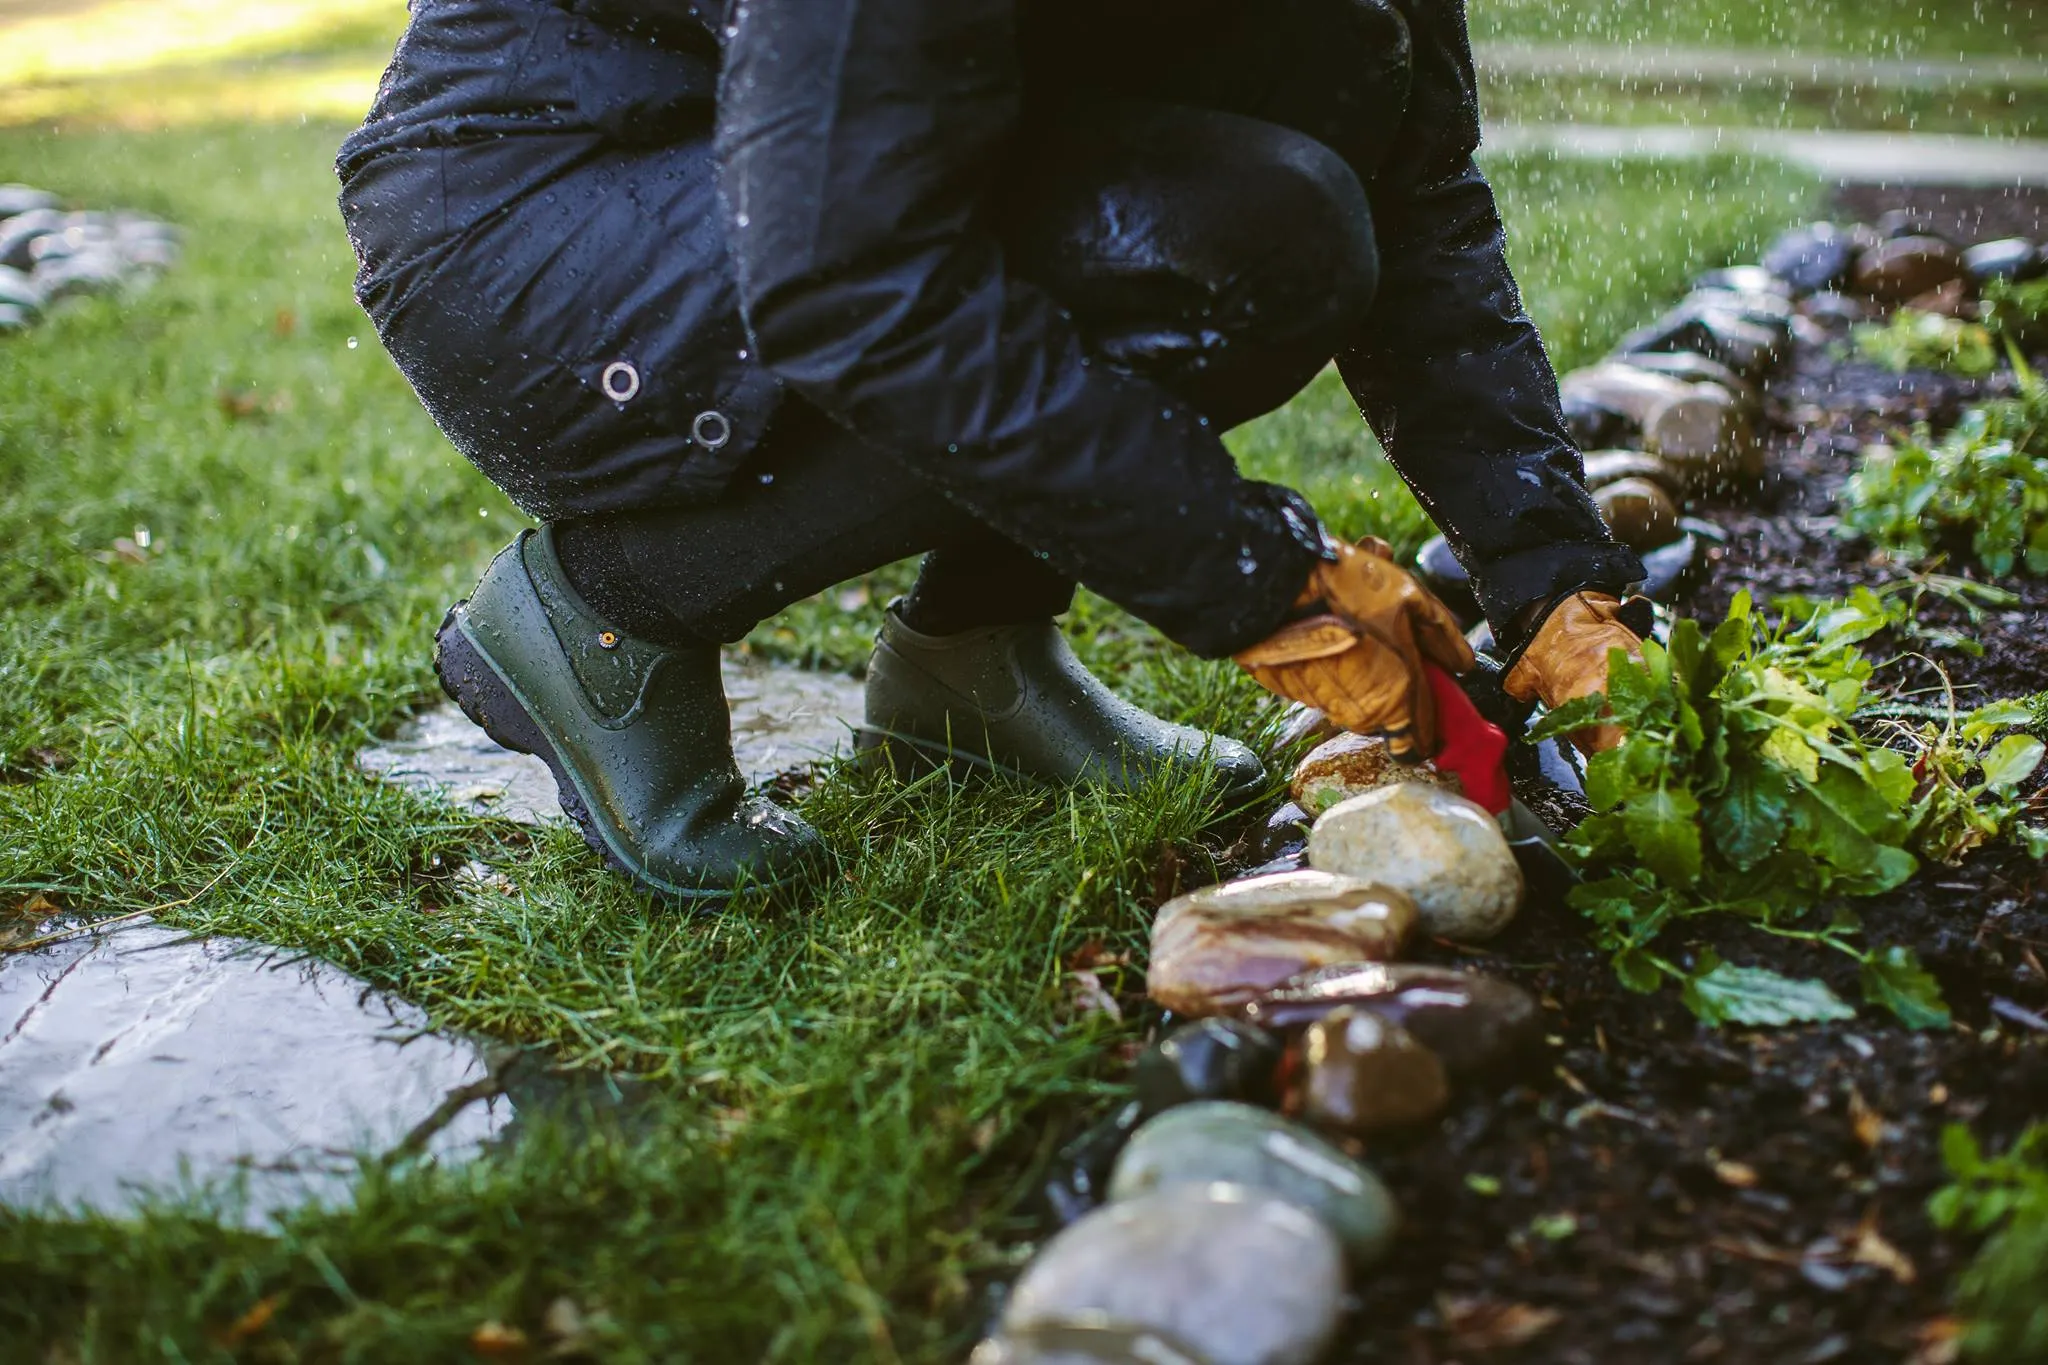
[(1746, 788), (2005, 1197), (1984, 485), (1913, 340)]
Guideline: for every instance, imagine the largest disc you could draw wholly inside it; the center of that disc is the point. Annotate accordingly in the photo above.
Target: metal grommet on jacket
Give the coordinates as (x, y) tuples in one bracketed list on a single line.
[(711, 430), (621, 382)]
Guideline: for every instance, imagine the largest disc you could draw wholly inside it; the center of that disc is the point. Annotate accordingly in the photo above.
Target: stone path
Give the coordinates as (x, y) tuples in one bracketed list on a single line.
[(135, 1057), (1656, 62), (1846, 157), (782, 718)]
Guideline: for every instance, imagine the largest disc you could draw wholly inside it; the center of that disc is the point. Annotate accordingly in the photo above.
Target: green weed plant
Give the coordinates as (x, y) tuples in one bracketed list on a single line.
[(1747, 788), (2004, 1293), (1913, 340), (2018, 312), (1984, 485)]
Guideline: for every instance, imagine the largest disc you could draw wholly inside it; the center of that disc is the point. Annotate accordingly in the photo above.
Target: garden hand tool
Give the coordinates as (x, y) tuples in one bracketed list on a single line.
[(1358, 647)]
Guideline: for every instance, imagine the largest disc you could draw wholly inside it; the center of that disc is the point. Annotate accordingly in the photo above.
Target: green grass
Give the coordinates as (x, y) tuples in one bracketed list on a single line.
[(1873, 28), (846, 1095), (1971, 110)]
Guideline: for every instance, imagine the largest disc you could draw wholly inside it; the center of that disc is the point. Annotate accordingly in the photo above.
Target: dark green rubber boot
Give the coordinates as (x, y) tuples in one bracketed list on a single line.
[(638, 735), (1015, 699)]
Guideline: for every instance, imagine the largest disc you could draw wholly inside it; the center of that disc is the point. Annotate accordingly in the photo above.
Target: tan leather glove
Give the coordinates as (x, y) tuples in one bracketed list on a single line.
[(1568, 660), (1358, 655)]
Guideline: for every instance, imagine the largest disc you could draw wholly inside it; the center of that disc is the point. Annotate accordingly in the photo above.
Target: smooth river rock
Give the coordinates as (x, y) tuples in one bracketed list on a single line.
[(1479, 1026), (1641, 515), (1743, 279), (1361, 1075), (1225, 1274), (1447, 853), (1241, 1145), (1906, 267), (1074, 1343), (1219, 947), (1352, 765), (1811, 258), (1281, 843), (1699, 429), (1716, 329), (1693, 369), (19, 235), (18, 199), (130, 1058), (2009, 258), (1611, 466), (1210, 1059)]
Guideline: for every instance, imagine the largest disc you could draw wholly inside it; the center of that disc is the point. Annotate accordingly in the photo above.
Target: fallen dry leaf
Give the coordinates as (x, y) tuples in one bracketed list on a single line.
[(1093, 954), (250, 1323), (1735, 1175), (1873, 1249), (1867, 1123), (1477, 1324), (1941, 1343), (1086, 995), (496, 1341)]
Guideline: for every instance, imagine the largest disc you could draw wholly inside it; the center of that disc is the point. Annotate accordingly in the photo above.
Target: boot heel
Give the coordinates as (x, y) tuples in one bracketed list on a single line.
[(483, 695)]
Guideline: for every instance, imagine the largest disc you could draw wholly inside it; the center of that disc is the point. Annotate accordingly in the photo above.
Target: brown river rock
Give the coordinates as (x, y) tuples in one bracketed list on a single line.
[(1361, 1075), (1906, 267), (1611, 466), (1477, 1025), (1351, 765), (1641, 515), (1219, 947)]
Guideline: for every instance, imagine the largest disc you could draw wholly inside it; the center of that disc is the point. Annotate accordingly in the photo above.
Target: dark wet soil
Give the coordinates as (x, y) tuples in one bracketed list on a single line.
[(1667, 1192), (1674, 1193)]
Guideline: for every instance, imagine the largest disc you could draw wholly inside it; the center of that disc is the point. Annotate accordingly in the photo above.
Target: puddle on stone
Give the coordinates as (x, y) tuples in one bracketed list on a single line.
[(143, 1057), (783, 717)]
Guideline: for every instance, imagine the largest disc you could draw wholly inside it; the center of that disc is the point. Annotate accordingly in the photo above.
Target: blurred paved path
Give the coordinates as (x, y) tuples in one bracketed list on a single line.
[(1651, 62), (1847, 157)]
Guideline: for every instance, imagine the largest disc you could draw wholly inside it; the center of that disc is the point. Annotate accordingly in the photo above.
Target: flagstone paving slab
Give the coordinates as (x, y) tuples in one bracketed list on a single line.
[(143, 1056)]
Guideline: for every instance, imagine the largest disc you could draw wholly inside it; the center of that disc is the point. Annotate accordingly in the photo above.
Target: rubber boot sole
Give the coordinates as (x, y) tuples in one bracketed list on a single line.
[(494, 706)]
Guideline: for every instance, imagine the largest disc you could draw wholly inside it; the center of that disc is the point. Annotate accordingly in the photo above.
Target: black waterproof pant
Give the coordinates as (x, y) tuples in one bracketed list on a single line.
[(1219, 255)]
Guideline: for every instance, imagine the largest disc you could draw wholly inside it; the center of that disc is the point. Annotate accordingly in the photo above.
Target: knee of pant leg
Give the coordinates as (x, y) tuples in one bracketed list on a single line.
[(1319, 271)]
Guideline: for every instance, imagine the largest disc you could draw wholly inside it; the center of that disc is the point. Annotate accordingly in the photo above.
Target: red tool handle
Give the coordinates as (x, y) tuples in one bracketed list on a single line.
[(1472, 747)]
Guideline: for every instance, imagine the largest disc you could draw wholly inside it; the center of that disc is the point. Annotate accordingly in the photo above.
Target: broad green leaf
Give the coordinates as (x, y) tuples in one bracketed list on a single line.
[(1748, 818), (1896, 980), (1960, 1151), (1607, 779), (1637, 971), (1789, 751), (2001, 714), (1729, 994), (1575, 714), (1892, 775), (2012, 761), (1852, 796), (1665, 829), (1629, 689)]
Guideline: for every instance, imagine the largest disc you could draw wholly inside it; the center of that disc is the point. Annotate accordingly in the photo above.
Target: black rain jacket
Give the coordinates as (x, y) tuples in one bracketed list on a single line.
[(858, 141)]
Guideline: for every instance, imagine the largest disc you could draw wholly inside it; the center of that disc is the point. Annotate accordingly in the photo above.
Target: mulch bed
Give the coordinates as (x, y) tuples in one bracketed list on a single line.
[(1670, 1192)]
